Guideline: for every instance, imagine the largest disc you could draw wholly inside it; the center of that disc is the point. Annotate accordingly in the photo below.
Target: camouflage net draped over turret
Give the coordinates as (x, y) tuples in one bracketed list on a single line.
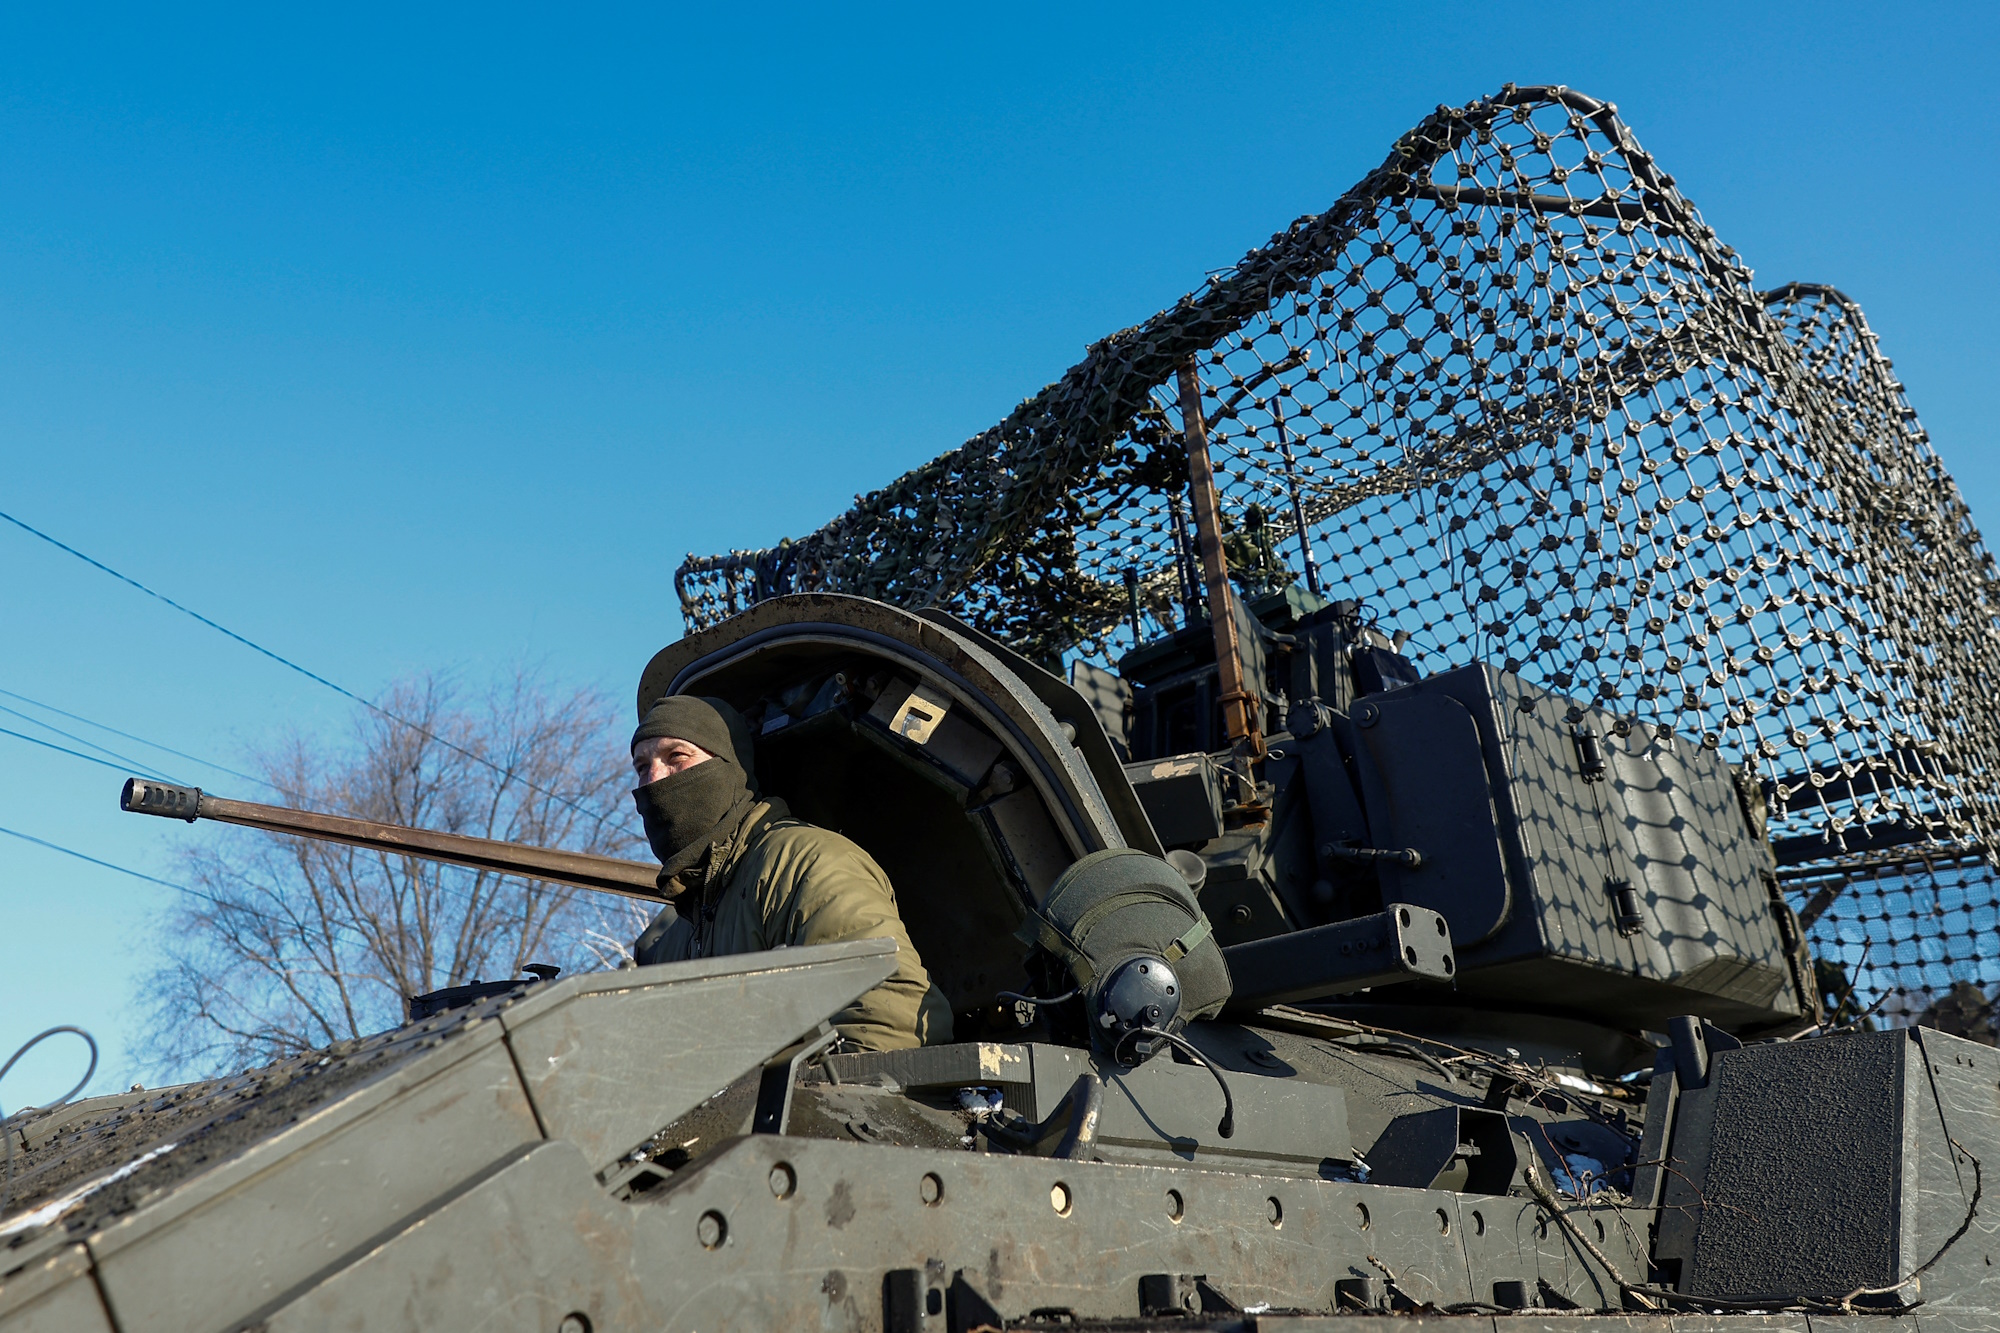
[(1512, 393)]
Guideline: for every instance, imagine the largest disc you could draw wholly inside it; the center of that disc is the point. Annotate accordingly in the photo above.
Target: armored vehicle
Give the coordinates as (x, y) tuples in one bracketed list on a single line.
[(1505, 656)]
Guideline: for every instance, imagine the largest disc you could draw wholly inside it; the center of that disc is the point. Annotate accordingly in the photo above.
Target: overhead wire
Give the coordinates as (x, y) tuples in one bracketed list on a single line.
[(143, 767), (186, 611), (108, 865), (208, 898), (150, 744), (294, 666), (125, 767), (223, 904), (128, 761)]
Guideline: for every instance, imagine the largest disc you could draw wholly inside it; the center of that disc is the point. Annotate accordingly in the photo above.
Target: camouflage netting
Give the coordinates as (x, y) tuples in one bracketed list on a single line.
[(1515, 395)]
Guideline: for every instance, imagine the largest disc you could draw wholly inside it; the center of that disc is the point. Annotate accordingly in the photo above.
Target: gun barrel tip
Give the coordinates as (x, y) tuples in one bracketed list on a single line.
[(144, 797)]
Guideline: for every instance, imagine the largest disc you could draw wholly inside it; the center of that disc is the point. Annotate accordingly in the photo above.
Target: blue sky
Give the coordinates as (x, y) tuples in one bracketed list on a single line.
[(401, 341)]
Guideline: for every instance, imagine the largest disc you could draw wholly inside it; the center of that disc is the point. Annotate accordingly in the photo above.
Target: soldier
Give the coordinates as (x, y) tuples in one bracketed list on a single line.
[(745, 875)]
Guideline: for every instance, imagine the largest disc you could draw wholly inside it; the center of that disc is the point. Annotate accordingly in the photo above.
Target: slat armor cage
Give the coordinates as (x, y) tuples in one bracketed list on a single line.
[(1512, 393)]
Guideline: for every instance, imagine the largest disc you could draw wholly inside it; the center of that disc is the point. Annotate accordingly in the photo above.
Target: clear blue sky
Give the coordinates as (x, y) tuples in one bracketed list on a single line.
[(404, 339)]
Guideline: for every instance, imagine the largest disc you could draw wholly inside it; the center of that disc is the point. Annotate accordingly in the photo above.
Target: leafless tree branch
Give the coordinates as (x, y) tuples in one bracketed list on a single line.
[(288, 944)]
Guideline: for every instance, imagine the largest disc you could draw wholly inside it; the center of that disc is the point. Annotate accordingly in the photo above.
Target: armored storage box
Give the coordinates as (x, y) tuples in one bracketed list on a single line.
[(1584, 861)]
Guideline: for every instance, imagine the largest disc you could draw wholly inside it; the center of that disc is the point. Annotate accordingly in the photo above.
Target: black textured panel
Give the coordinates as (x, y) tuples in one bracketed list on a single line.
[(1805, 1169), (1425, 784)]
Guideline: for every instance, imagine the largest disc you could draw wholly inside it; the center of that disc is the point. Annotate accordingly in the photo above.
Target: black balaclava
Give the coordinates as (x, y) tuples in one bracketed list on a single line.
[(684, 813)]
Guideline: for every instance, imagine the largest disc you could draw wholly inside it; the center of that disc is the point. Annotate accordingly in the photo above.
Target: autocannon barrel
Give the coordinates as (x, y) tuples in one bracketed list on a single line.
[(583, 869)]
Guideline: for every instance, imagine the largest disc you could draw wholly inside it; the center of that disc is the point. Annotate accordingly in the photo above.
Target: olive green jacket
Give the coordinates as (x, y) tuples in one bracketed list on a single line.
[(775, 881)]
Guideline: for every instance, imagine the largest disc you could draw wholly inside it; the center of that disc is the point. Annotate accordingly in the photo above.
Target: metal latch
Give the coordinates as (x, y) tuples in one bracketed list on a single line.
[(1625, 902), (1589, 752)]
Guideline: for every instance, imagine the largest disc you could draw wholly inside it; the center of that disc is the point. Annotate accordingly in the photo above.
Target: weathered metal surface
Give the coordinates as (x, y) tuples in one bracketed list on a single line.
[(302, 1198), (961, 1064), (1024, 1234), (613, 1059), (53, 1293), (465, 1185), (1958, 1181), (289, 1183)]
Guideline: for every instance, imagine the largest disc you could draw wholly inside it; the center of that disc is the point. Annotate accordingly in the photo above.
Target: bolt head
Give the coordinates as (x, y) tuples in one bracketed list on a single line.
[(711, 1230)]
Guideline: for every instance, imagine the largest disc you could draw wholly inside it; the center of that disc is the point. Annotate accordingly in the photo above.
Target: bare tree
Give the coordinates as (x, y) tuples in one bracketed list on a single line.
[(285, 944)]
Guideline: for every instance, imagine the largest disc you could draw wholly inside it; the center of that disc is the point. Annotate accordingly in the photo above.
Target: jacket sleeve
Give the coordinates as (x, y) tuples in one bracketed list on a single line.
[(828, 890)]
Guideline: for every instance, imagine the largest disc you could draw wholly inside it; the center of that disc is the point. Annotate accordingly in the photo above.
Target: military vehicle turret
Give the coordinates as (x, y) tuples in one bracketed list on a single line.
[(1369, 600)]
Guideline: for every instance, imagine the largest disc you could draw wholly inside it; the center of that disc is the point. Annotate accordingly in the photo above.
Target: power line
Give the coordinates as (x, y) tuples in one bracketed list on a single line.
[(155, 745), (220, 629), (223, 903), (147, 769), (64, 749), (210, 899), (69, 851), (294, 666)]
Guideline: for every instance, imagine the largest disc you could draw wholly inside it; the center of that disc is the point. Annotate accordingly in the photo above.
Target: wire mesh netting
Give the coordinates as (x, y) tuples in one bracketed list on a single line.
[(1514, 395)]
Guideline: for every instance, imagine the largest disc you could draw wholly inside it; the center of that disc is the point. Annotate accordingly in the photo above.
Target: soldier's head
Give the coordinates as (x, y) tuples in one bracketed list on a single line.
[(696, 772), (683, 730), (659, 757)]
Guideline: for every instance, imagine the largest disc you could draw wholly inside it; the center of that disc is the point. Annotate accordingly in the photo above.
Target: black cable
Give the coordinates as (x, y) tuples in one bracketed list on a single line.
[(208, 898), (1227, 1127), (1384, 1046), (154, 745), (64, 749), (66, 851), (127, 759), (294, 666), (1079, 1107), (220, 629), (1087, 1096), (7, 1191), (1040, 1000)]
